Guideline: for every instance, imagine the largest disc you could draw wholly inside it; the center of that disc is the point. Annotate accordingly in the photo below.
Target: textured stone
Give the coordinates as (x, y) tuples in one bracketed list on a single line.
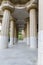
[(19, 54)]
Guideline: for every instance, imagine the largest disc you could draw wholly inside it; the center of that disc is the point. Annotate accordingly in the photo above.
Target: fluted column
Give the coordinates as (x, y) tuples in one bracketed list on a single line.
[(11, 32), (25, 31), (15, 37), (5, 29), (23, 34), (0, 27), (33, 28), (16, 34), (40, 34), (28, 33), (7, 9)]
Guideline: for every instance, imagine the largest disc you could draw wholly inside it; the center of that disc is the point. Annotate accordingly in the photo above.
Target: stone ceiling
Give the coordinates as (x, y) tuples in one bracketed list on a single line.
[(15, 2), (19, 1), (20, 13)]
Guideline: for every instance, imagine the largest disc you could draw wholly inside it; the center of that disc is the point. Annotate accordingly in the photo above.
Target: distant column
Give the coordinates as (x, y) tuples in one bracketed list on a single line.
[(28, 33), (11, 32), (15, 33)]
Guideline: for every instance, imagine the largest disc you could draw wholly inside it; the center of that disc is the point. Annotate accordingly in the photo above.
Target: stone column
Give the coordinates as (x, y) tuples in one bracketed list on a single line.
[(28, 33), (11, 32), (5, 29), (15, 33), (23, 34), (7, 8), (33, 28), (40, 34), (25, 31), (0, 28)]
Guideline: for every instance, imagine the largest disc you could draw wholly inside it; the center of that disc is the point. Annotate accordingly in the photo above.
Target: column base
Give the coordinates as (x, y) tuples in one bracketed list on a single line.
[(15, 40), (11, 41), (3, 42), (33, 42), (28, 41), (24, 40), (40, 48)]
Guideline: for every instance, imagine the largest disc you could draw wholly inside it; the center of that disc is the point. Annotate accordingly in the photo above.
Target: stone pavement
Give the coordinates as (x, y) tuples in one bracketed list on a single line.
[(19, 54)]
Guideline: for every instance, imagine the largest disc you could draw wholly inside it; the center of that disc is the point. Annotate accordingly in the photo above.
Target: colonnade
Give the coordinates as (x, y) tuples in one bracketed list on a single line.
[(30, 32), (30, 28), (6, 21)]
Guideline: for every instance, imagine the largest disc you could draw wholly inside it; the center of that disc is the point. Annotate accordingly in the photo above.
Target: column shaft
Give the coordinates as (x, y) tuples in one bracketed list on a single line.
[(23, 34), (28, 33), (5, 29), (40, 34), (11, 32), (25, 30), (33, 28), (0, 27), (15, 33)]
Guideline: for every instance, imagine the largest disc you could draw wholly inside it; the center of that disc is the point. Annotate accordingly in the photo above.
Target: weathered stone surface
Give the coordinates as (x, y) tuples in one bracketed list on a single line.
[(20, 54)]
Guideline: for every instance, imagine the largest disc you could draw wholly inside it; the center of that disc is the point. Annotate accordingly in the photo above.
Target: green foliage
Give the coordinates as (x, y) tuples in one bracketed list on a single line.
[(20, 36)]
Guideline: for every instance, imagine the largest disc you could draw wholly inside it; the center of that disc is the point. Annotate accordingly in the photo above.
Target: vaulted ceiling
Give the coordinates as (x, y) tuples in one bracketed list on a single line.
[(19, 1), (20, 13)]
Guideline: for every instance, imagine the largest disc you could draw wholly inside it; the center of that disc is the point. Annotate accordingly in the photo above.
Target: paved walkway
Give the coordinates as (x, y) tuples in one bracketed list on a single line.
[(20, 54)]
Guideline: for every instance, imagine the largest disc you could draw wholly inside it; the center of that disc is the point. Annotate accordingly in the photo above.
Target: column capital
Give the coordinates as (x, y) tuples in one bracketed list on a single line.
[(7, 5), (12, 19), (27, 19), (32, 5)]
